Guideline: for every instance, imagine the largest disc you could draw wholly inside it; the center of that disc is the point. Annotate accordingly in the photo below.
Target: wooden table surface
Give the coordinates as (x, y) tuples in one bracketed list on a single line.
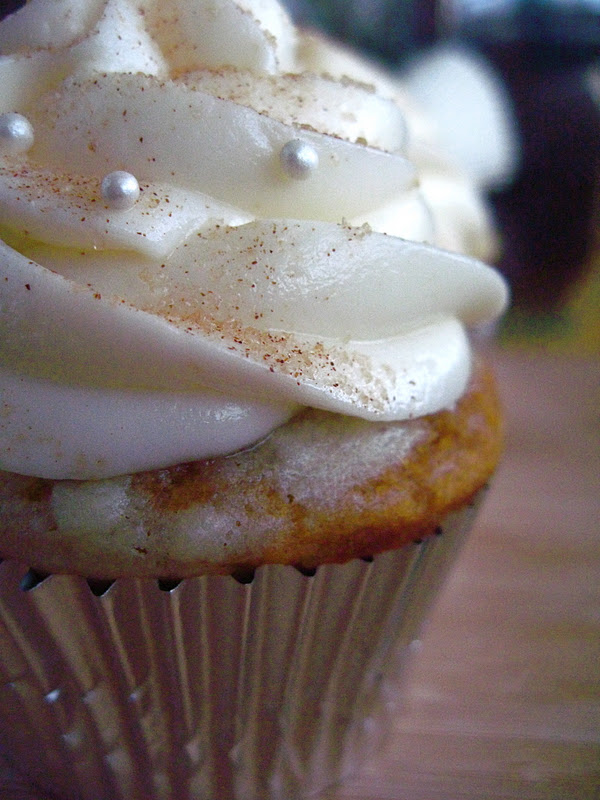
[(503, 697)]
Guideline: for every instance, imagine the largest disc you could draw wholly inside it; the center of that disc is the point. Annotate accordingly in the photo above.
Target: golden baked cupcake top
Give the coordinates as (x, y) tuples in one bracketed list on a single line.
[(321, 488)]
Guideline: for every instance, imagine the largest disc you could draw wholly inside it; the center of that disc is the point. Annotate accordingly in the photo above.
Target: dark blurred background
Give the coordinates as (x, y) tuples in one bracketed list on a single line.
[(8, 6)]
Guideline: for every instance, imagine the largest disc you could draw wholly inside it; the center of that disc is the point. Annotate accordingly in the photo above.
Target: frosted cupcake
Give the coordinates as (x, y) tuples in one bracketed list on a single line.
[(233, 352)]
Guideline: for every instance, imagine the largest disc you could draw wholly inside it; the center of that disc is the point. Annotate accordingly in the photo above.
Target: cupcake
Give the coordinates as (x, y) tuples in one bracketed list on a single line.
[(243, 429)]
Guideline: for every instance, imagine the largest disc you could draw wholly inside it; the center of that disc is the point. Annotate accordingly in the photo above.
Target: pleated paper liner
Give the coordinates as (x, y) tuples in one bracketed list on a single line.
[(270, 688)]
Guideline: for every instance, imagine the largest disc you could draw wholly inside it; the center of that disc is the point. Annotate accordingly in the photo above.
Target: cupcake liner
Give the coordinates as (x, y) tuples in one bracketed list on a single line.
[(210, 688)]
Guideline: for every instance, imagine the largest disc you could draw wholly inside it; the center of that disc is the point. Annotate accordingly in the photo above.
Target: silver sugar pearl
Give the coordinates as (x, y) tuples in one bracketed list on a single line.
[(298, 159), (120, 190), (16, 133)]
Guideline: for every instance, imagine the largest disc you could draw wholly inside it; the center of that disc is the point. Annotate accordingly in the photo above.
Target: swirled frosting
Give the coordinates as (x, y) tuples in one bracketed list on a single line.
[(245, 282)]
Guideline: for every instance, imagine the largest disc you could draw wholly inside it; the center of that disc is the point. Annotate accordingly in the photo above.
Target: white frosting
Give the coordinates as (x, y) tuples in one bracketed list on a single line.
[(198, 320), (474, 116)]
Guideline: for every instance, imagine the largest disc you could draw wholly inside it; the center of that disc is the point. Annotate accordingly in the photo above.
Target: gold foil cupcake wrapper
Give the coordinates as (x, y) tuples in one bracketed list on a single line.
[(210, 688)]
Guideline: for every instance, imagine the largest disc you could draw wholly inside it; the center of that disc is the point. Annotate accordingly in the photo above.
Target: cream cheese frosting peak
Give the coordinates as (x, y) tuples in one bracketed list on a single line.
[(205, 231)]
